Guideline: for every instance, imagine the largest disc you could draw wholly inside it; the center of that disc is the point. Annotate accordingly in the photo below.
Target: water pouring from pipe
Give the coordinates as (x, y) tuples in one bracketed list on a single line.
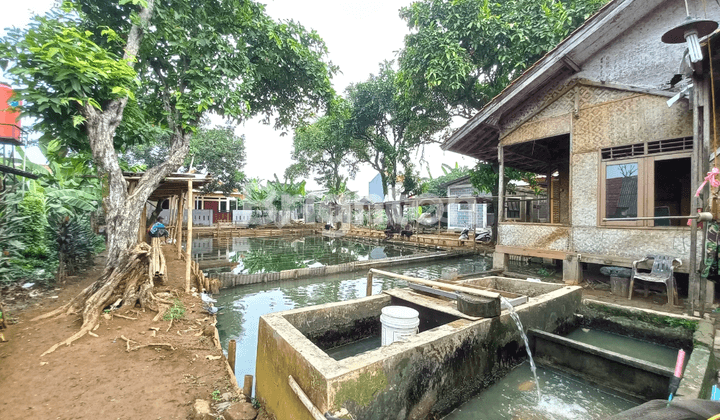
[(506, 303)]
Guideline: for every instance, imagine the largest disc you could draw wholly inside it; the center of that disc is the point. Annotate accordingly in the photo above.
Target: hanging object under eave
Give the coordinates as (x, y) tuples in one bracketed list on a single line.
[(690, 32)]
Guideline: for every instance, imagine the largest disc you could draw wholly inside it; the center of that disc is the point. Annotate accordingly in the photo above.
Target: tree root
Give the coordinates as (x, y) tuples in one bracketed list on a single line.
[(127, 281), (129, 349)]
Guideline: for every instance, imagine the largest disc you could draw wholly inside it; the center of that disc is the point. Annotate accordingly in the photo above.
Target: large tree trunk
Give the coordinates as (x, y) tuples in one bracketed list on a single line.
[(125, 281)]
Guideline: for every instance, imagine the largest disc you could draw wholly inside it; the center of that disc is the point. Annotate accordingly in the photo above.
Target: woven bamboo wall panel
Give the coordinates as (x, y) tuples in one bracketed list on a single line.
[(548, 94), (635, 119), (633, 243), (555, 238), (539, 129), (585, 188)]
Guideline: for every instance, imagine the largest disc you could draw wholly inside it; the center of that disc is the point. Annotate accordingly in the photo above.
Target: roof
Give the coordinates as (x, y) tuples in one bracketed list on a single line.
[(461, 180), (173, 184), (480, 135)]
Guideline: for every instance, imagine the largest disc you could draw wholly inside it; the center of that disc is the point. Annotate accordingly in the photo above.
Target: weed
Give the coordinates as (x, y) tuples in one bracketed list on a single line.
[(216, 395), (255, 403), (544, 272), (176, 311)]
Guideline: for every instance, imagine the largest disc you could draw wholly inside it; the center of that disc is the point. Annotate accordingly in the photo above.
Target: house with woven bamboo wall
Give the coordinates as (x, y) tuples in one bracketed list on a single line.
[(618, 122)]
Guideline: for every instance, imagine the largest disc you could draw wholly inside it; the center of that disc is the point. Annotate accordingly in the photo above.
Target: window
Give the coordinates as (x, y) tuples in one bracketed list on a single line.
[(513, 209), (464, 206), (223, 206), (645, 180)]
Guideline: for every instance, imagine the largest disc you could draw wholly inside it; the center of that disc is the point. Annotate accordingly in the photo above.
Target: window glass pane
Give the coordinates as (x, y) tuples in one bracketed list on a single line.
[(621, 190), (672, 190)]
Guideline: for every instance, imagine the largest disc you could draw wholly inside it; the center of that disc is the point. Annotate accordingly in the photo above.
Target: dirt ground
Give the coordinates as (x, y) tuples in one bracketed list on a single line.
[(96, 377)]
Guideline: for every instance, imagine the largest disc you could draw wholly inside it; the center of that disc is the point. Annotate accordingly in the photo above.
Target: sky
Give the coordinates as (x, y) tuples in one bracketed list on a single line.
[(359, 36)]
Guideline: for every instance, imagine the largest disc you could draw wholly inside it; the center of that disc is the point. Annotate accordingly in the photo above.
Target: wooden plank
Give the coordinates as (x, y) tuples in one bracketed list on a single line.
[(532, 252), (188, 242)]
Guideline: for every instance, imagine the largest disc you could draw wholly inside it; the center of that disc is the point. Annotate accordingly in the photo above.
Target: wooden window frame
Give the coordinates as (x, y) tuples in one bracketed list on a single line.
[(646, 187)]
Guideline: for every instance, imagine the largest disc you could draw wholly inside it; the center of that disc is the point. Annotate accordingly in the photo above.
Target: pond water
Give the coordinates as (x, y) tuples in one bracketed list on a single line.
[(562, 398), (243, 306), (643, 350), (266, 255)]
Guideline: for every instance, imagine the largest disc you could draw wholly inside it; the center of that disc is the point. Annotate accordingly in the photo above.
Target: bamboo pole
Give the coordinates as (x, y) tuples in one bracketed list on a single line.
[(248, 386), (314, 412), (439, 285), (178, 222), (369, 283), (188, 245), (231, 355)]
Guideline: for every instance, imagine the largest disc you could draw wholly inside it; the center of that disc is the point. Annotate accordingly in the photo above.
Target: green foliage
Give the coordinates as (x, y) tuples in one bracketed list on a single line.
[(175, 312), (215, 395), (388, 125), (12, 244), (32, 206), (214, 150), (325, 148), (221, 153), (462, 53), (436, 186), (227, 57), (485, 177)]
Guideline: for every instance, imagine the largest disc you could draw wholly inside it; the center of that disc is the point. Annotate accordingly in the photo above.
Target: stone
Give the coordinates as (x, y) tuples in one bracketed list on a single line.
[(201, 410), (241, 411), (619, 286), (449, 273), (616, 271), (228, 396)]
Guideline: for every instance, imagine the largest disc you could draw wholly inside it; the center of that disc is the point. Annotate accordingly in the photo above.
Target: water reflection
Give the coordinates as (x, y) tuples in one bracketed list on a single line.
[(244, 305), (265, 255)]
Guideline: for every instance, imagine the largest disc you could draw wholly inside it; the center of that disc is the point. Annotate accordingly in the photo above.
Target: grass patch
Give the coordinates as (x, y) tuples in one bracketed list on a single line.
[(175, 312)]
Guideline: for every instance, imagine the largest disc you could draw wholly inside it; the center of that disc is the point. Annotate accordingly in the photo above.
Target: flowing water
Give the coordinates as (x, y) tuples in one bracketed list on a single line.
[(504, 302), (243, 306), (563, 398), (266, 255)]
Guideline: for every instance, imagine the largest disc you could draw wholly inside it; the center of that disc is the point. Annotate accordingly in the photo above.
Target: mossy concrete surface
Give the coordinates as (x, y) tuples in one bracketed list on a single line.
[(700, 368), (428, 375), (696, 336)]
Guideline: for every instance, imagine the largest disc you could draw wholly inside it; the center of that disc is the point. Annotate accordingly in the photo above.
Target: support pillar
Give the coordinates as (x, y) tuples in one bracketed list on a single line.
[(572, 270), (188, 245), (501, 261)]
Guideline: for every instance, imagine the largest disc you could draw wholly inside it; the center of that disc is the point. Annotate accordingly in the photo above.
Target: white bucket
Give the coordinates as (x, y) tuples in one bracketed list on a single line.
[(398, 323)]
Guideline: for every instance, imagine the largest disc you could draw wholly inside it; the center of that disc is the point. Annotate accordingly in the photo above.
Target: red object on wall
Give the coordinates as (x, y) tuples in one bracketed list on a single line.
[(9, 118)]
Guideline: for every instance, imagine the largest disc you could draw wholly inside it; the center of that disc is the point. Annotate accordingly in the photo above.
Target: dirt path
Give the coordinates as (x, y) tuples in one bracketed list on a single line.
[(96, 377)]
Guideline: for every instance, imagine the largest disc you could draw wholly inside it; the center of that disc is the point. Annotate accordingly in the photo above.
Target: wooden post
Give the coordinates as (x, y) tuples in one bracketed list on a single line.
[(248, 386), (178, 223), (188, 245), (500, 211), (369, 284), (231, 355)]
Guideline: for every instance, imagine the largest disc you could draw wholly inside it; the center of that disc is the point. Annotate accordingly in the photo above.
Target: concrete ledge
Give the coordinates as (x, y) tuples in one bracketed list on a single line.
[(232, 280), (626, 374)]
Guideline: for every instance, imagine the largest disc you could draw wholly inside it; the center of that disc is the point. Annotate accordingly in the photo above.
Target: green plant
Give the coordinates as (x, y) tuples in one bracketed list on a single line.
[(216, 395), (176, 311), (544, 272), (255, 403)]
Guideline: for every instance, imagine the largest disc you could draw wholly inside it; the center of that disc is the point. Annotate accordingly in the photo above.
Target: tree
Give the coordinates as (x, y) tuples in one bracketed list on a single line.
[(486, 178), (462, 53), (325, 148), (99, 75), (388, 126), (436, 186)]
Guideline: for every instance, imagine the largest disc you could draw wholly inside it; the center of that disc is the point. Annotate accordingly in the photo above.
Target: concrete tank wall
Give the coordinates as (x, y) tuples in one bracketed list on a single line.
[(430, 374)]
